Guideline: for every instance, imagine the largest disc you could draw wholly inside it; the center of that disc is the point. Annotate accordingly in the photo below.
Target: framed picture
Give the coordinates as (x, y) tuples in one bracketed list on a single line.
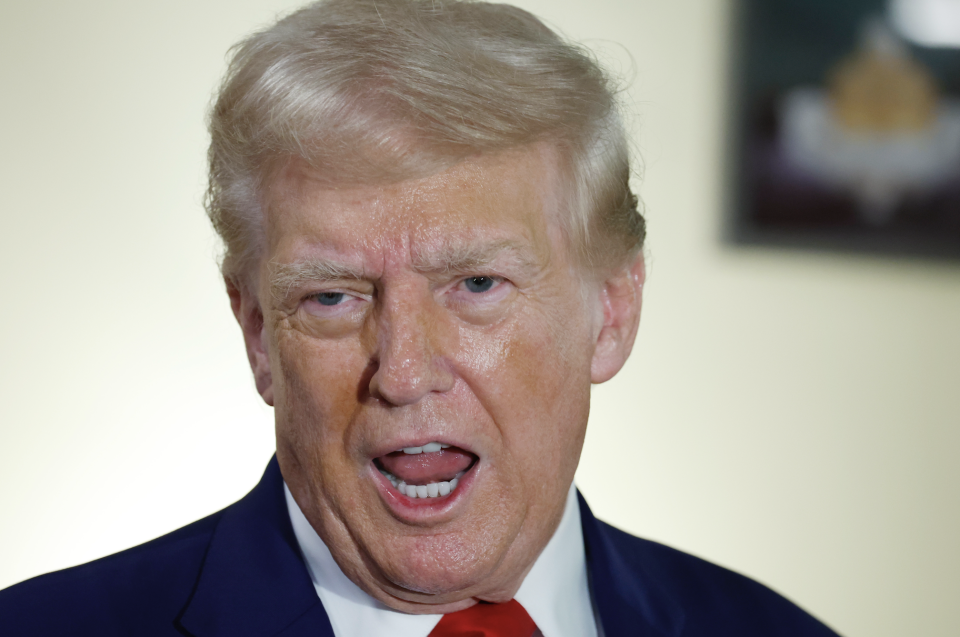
[(846, 125)]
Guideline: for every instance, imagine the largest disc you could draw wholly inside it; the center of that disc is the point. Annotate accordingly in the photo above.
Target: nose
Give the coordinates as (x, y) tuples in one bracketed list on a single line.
[(412, 340)]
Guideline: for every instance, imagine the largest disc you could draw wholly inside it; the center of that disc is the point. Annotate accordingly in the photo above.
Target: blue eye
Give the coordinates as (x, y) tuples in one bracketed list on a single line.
[(478, 284), (330, 298)]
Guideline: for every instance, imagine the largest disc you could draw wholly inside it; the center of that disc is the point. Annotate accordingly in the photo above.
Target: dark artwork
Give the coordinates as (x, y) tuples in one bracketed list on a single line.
[(847, 125)]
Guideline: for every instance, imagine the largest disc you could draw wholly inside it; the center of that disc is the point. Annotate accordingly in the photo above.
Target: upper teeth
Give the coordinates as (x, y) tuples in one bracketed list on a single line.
[(430, 447)]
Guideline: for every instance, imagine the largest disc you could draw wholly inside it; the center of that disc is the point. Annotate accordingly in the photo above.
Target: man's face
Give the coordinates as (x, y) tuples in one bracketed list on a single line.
[(442, 313)]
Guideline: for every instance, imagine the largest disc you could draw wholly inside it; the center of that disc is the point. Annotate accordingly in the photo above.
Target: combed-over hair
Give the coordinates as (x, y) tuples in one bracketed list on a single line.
[(378, 91)]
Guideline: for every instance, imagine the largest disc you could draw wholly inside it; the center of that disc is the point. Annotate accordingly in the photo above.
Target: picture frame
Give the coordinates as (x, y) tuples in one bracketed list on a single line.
[(845, 126)]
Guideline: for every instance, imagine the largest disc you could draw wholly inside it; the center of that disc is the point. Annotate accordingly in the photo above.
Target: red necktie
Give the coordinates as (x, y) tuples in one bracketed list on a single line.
[(486, 620)]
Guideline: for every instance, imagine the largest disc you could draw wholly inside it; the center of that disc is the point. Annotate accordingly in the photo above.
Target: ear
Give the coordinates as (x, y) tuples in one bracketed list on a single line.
[(621, 297), (249, 314)]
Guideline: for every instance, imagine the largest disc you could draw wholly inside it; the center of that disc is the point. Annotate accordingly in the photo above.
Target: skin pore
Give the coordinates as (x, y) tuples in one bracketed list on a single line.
[(443, 309)]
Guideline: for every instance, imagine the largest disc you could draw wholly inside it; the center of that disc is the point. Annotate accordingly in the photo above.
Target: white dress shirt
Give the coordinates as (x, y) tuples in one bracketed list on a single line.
[(554, 593)]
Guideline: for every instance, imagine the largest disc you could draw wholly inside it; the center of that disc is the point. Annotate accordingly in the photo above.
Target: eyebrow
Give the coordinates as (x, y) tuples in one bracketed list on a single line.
[(464, 258), (449, 258), (287, 276)]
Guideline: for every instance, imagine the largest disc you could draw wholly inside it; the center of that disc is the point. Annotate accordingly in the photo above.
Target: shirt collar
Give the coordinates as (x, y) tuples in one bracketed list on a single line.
[(555, 591)]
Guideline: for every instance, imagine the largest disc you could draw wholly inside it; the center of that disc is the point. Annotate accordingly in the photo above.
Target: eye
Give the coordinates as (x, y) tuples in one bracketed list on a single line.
[(330, 298), (333, 307), (479, 284)]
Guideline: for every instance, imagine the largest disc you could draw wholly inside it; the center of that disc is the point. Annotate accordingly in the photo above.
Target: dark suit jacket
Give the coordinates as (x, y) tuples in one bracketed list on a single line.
[(239, 573)]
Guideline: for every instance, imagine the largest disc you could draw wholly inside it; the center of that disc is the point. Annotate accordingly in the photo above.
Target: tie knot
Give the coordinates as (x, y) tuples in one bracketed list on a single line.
[(487, 620)]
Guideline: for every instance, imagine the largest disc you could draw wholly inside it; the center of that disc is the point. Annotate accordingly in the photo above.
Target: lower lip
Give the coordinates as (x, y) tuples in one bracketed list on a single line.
[(419, 508)]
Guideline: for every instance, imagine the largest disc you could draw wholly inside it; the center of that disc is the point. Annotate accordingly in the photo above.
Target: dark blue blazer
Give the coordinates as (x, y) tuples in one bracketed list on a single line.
[(239, 573)]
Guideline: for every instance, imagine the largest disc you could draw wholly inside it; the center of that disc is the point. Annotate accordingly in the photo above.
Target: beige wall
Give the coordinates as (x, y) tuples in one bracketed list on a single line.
[(793, 416)]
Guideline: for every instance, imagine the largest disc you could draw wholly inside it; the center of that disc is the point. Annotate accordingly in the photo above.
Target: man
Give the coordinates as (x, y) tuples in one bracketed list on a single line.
[(432, 251)]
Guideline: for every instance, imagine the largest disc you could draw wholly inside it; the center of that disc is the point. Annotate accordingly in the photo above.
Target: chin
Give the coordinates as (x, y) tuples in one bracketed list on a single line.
[(443, 566)]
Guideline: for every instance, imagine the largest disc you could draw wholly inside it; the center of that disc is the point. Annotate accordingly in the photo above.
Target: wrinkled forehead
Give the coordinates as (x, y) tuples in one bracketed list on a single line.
[(509, 196)]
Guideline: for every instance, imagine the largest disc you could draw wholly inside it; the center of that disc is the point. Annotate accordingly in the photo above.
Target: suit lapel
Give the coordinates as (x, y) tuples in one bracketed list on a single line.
[(627, 601), (253, 580)]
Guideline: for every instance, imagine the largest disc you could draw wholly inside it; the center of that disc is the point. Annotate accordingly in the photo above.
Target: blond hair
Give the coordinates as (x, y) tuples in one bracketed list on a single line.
[(377, 91)]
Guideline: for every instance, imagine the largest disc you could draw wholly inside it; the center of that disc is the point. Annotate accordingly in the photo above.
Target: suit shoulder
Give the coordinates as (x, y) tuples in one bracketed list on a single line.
[(715, 600), (128, 590)]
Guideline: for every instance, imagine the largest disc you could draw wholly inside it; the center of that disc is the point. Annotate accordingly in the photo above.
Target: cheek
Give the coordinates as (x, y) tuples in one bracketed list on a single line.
[(534, 380), (318, 389)]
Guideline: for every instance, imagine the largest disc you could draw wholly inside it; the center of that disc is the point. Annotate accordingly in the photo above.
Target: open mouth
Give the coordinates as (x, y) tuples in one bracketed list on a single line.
[(429, 471)]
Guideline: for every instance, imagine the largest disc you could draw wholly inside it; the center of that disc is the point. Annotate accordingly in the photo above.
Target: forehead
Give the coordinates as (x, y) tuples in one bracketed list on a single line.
[(510, 196)]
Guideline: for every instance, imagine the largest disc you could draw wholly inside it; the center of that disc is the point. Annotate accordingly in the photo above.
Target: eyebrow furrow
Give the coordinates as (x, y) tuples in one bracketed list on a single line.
[(285, 277)]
